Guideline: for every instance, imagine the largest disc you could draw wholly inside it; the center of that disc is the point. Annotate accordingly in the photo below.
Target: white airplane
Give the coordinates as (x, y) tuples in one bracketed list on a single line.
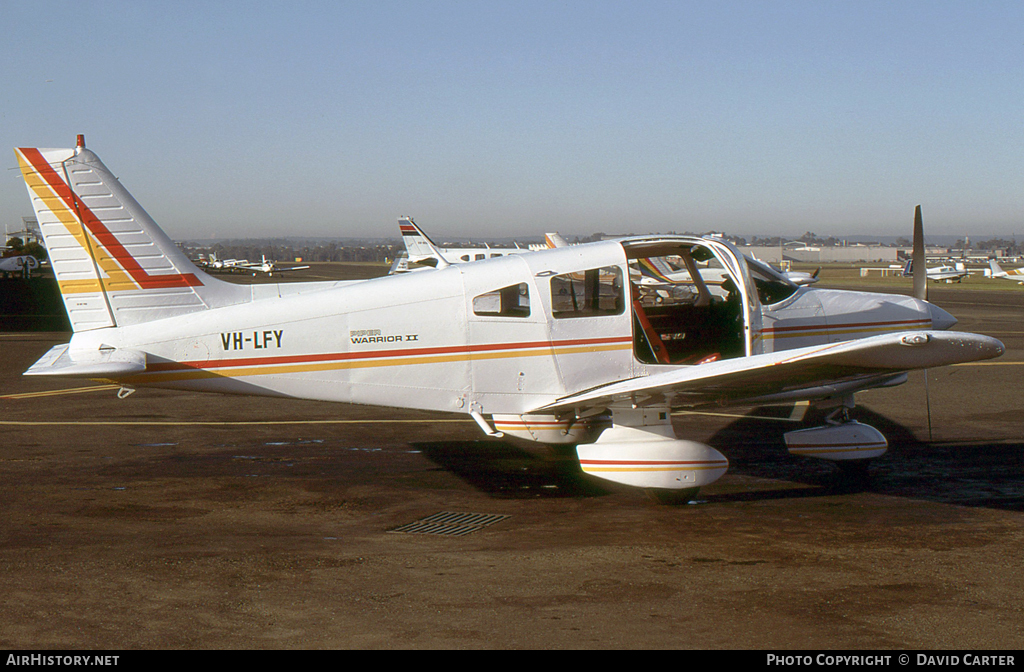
[(422, 250), (802, 278), (945, 273), (215, 264), (1017, 274), (548, 346), (551, 241), (268, 267), (22, 263)]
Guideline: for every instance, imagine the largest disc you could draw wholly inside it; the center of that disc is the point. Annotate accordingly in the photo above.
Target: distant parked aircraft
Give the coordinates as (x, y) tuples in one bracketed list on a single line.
[(422, 250), (23, 263), (939, 273), (268, 267), (1016, 274)]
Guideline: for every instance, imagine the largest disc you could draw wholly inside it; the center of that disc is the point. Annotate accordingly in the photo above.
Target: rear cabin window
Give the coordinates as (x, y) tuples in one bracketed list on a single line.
[(598, 291), (511, 301)]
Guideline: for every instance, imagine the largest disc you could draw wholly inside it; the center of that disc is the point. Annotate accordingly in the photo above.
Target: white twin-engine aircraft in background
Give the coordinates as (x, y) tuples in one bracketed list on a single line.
[(552, 346), (420, 249)]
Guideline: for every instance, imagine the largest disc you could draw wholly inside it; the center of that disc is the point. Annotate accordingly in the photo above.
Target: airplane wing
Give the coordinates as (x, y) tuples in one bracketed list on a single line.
[(290, 268), (812, 370)]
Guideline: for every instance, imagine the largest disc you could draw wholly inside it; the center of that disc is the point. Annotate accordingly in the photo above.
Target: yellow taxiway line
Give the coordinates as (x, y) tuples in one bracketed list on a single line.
[(55, 393)]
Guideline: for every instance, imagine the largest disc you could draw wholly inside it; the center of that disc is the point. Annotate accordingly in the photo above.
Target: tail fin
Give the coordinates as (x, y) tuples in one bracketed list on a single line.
[(554, 240), (655, 269), (113, 264), (997, 270), (418, 244)]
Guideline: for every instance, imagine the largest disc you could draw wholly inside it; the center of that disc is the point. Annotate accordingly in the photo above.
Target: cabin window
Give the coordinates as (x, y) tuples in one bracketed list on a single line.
[(479, 257), (464, 257), (511, 301), (598, 291)]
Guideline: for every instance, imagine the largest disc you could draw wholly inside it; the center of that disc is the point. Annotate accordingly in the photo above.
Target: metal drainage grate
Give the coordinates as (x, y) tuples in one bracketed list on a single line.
[(451, 523)]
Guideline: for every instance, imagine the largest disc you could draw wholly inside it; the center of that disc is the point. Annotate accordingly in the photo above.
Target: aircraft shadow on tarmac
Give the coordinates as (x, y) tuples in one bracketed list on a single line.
[(504, 470), (966, 474), (962, 473)]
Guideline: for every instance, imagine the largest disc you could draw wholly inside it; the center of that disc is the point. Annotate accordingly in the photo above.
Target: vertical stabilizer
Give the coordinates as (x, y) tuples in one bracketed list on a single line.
[(553, 240), (113, 264), (419, 246)]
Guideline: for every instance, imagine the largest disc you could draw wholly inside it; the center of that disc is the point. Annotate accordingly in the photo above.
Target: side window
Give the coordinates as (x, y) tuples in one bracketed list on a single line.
[(598, 291), (511, 301), (479, 257)]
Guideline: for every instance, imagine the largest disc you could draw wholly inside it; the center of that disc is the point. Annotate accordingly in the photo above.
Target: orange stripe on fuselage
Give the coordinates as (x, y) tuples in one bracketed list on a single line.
[(255, 366)]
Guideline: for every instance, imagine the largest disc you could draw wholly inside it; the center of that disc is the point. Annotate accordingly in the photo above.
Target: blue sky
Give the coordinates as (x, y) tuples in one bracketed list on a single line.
[(505, 119)]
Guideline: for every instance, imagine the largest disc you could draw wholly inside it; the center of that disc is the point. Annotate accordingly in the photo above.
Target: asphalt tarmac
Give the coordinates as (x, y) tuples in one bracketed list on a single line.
[(192, 521)]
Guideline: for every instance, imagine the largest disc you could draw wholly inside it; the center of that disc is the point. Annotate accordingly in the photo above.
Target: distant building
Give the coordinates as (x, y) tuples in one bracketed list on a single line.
[(816, 254), (29, 232)]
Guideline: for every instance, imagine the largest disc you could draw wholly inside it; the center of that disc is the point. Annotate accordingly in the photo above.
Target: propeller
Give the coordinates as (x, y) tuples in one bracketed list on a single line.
[(920, 269), (921, 292)]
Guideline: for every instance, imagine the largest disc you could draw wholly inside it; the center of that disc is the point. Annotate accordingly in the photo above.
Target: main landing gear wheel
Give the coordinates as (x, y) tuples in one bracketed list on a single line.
[(671, 497)]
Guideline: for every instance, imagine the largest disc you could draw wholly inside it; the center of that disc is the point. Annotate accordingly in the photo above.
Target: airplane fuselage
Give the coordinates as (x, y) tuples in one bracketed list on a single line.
[(556, 346)]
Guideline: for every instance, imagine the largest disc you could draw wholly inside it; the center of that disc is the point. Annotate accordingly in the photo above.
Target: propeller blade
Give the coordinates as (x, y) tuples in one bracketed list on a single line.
[(920, 269)]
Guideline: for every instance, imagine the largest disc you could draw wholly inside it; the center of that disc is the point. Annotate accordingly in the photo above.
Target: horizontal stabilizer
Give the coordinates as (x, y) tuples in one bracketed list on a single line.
[(102, 363), (732, 381)]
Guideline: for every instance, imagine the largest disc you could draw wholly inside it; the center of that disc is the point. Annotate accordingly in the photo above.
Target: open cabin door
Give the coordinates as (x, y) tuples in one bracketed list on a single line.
[(693, 301)]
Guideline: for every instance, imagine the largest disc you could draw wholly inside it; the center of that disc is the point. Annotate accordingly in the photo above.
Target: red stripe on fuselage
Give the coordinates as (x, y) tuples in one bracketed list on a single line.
[(398, 352)]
